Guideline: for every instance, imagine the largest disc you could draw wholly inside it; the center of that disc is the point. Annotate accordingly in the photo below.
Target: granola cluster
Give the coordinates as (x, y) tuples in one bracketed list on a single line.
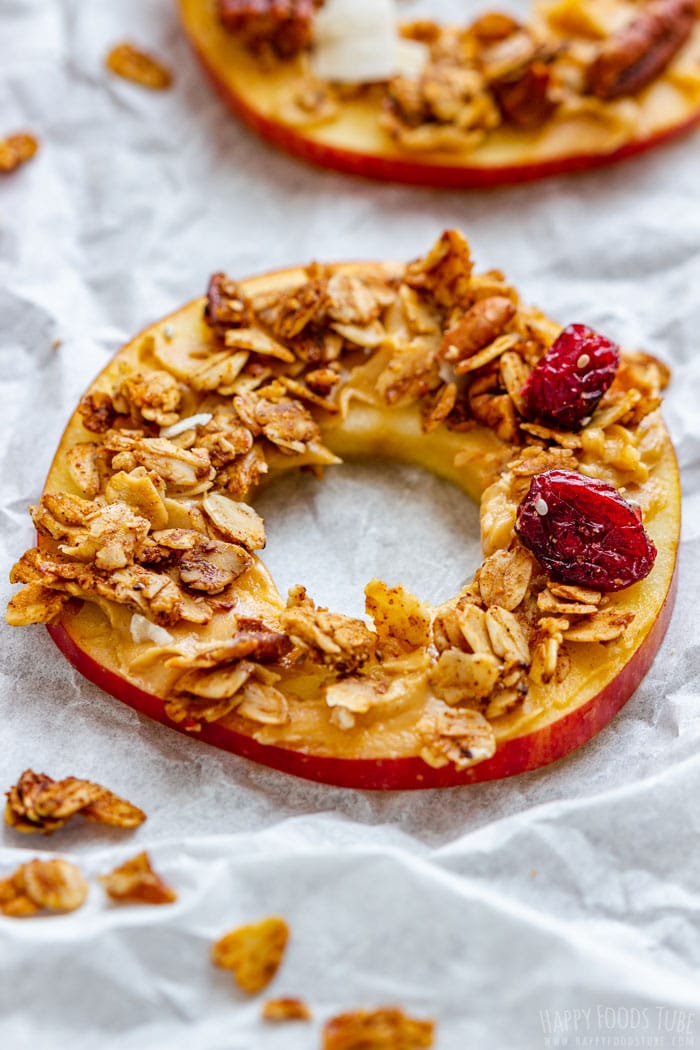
[(160, 533), (571, 57)]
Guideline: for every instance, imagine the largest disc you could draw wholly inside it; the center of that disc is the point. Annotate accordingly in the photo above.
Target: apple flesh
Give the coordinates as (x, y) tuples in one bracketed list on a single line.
[(354, 143), (601, 678)]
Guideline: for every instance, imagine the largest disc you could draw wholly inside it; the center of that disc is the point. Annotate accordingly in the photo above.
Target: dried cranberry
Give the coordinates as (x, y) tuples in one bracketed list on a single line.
[(584, 532), (567, 384)]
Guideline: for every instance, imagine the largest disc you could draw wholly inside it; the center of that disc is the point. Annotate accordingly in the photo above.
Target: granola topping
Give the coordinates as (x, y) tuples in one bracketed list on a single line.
[(159, 536)]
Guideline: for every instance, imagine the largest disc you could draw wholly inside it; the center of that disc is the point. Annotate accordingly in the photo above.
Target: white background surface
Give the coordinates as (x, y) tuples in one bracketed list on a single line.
[(493, 908)]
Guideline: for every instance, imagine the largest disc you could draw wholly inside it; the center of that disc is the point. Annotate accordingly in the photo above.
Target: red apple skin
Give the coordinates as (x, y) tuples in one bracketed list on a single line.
[(413, 172), (519, 755)]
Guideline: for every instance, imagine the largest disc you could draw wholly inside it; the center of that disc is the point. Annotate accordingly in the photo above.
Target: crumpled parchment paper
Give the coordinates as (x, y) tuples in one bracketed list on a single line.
[(556, 908)]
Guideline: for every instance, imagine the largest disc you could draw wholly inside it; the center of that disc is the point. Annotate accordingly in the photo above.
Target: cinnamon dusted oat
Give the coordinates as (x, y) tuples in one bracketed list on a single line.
[(16, 150), (135, 882), (37, 802), (253, 953), (388, 1028), (54, 885), (285, 1009)]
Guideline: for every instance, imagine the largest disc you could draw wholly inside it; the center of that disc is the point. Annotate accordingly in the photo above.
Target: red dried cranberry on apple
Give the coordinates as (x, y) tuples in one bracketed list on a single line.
[(583, 531), (564, 389)]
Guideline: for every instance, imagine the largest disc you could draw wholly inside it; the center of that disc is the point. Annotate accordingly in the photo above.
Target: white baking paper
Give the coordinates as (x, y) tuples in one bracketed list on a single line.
[(557, 908)]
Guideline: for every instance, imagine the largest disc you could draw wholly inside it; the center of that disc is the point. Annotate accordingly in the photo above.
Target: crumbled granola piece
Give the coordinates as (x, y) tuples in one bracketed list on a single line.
[(322, 380), (226, 306), (436, 410), (131, 63), (505, 576), (15, 902), (412, 372), (83, 463), (39, 803), (236, 521), (297, 308), (253, 953), (153, 396), (135, 881), (143, 491), (16, 150), (111, 537), (507, 637), (181, 470), (284, 422), (325, 637), (387, 1028), (444, 272), (605, 626), (459, 677), (261, 702), (55, 884), (98, 412), (285, 1009), (283, 25), (457, 735), (35, 604), (488, 404), (212, 565), (401, 621), (352, 300)]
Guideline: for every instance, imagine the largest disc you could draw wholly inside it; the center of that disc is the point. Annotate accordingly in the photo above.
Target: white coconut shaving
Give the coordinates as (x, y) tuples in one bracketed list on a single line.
[(189, 423)]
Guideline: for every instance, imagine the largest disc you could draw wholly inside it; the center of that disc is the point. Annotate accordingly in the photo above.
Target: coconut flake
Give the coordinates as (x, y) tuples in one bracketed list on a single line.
[(355, 41), (182, 425), (142, 630)]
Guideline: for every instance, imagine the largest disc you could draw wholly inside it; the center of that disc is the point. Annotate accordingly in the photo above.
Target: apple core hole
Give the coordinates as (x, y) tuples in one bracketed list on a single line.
[(369, 519)]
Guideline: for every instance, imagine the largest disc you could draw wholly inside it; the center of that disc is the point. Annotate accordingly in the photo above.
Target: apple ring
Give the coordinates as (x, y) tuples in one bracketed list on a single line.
[(147, 571), (584, 83)]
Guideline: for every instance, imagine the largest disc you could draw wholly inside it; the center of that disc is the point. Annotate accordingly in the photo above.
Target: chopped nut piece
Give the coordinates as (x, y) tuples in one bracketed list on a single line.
[(479, 326), (253, 953), (16, 150), (388, 1028), (39, 803), (136, 881), (445, 271), (285, 1009), (131, 63)]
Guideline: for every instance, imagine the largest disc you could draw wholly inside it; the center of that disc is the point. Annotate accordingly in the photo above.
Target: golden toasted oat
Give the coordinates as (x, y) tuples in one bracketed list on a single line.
[(55, 884), (253, 953), (16, 150), (129, 62), (388, 1028), (135, 881), (285, 1009), (37, 802)]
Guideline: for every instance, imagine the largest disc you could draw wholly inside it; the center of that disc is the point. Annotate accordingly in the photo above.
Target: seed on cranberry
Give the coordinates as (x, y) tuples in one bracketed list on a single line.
[(565, 387), (583, 532)]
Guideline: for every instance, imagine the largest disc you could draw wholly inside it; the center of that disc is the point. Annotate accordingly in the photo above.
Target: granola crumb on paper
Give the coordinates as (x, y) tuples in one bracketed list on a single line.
[(131, 63), (16, 150), (135, 881), (54, 885), (387, 1028), (37, 802), (285, 1009), (253, 953)]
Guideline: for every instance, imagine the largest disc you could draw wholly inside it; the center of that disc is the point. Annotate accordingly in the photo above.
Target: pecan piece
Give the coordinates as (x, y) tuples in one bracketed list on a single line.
[(524, 100), (283, 24), (480, 325), (130, 63), (641, 50), (226, 307)]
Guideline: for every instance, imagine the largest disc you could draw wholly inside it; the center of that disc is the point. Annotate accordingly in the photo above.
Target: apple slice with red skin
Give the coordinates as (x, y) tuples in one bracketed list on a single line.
[(604, 676), (518, 755), (356, 145)]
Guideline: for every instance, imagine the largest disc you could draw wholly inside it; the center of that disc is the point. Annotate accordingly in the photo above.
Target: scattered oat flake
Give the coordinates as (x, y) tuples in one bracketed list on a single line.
[(285, 1009), (253, 953), (135, 881), (37, 802), (55, 884), (129, 62), (388, 1028), (16, 150)]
